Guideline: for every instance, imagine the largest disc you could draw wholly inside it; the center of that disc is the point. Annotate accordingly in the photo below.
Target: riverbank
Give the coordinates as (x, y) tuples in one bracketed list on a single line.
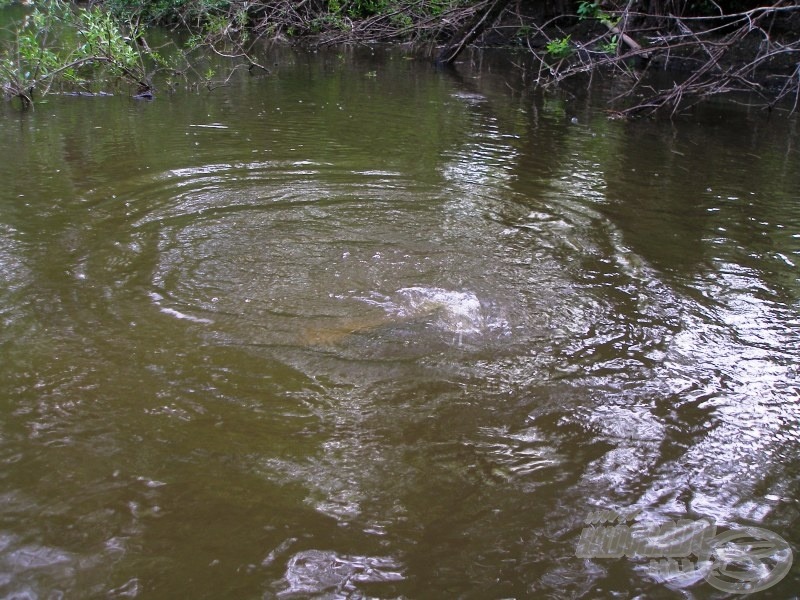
[(705, 52), (662, 63)]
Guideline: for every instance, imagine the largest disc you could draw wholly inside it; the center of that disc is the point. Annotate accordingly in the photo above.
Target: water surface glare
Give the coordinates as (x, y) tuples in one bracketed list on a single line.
[(329, 334)]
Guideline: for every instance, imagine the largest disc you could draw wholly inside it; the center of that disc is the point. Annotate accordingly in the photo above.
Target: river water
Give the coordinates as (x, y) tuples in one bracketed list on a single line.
[(362, 328)]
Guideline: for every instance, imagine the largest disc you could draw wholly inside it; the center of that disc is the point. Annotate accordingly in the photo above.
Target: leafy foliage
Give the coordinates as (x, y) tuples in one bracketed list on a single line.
[(610, 47), (592, 10), (588, 10), (559, 48), (58, 44)]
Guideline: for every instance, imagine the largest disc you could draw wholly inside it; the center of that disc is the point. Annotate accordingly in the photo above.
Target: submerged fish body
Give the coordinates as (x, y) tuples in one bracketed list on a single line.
[(451, 312)]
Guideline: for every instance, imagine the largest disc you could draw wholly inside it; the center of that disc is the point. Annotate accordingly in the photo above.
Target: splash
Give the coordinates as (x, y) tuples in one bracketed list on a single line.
[(460, 314)]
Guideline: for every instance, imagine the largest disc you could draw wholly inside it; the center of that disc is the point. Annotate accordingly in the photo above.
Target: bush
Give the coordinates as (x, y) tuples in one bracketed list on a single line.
[(60, 45)]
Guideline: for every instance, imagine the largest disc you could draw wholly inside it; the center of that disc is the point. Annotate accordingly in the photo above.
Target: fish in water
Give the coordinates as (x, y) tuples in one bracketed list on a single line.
[(458, 313)]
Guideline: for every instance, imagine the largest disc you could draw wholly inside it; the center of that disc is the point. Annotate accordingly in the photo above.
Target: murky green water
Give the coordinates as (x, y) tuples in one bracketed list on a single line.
[(330, 334)]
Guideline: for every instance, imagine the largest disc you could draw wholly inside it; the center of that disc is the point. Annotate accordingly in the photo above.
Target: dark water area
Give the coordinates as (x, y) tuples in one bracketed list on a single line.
[(366, 329)]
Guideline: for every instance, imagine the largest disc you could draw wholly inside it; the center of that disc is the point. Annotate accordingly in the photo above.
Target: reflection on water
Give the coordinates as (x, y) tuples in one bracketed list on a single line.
[(313, 572), (328, 335)]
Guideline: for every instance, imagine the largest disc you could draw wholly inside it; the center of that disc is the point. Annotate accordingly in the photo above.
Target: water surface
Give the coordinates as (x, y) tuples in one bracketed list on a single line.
[(366, 329)]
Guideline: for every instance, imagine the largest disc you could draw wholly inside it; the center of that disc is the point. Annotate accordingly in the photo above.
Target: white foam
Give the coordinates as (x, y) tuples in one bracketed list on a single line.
[(157, 298), (456, 312)]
